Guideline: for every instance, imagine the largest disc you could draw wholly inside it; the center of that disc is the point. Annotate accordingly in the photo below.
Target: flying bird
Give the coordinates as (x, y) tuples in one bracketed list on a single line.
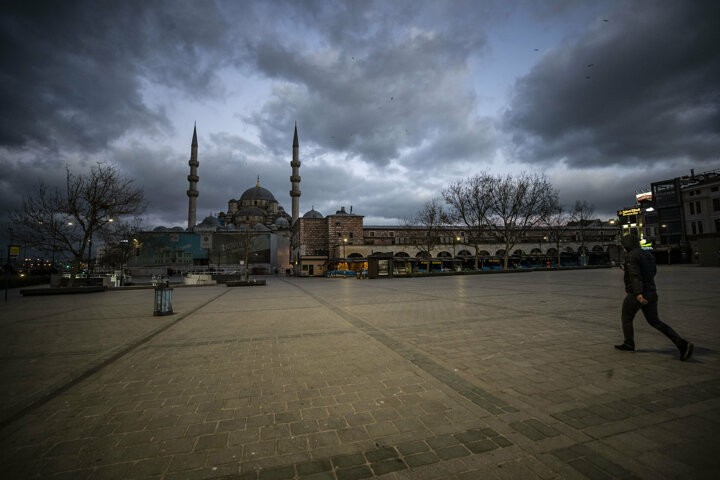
[(590, 64)]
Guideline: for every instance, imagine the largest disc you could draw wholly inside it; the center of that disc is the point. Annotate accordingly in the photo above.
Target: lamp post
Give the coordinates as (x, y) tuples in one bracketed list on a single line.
[(89, 252), (344, 243), (664, 227)]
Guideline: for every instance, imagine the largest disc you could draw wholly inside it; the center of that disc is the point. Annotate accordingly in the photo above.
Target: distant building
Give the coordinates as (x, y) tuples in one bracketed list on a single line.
[(322, 244), (687, 209)]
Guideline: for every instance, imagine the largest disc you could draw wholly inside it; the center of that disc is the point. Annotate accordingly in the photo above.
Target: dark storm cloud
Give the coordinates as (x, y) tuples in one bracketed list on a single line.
[(73, 71), (374, 84), (611, 189), (640, 85)]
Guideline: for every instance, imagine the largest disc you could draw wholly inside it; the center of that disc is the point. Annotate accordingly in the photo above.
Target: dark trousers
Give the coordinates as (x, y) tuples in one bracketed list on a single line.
[(631, 306)]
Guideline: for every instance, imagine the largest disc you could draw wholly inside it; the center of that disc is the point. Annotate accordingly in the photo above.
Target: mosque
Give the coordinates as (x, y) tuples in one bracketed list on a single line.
[(255, 226)]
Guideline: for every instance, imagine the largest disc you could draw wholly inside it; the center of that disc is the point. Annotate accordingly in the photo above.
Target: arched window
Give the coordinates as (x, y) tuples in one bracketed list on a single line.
[(464, 253), (484, 253), (422, 255), (569, 250), (597, 249), (500, 252), (402, 254), (535, 251), (552, 251), (355, 255), (444, 254), (519, 252)]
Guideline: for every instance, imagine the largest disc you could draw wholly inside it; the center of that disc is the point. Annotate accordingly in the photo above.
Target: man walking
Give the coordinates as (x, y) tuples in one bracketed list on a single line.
[(642, 295)]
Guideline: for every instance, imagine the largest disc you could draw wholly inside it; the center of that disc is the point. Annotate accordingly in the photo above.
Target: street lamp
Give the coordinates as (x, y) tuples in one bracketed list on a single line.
[(664, 227), (344, 243)]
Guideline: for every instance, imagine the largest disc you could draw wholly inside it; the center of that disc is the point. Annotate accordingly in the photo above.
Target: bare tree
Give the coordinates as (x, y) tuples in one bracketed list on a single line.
[(516, 204), (246, 241), (469, 204), (120, 239), (66, 219), (582, 214), (432, 218), (556, 222)]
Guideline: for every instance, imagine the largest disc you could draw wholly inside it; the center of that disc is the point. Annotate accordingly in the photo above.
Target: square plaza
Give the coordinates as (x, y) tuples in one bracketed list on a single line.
[(458, 377)]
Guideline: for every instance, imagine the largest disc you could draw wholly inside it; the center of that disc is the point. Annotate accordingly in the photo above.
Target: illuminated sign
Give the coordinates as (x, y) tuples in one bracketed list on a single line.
[(644, 197), (628, 212)]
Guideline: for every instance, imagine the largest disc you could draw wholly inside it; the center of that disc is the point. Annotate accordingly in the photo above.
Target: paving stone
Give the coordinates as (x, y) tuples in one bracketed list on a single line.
[(410, 448), (187, 461), (588, 469), (527, 430), (481, 446), (378, 454), (352, 434), (348, 460), (387, 466), (206, 442), (363, 418), (354, 473), (470, 436), (308, 468), (420, 459), (278, 473), (454, 451)]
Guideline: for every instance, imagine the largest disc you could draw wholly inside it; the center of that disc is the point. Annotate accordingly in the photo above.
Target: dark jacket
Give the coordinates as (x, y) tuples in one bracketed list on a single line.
[(640, 269)]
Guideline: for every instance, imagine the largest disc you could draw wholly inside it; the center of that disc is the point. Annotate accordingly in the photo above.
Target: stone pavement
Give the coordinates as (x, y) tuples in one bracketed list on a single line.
[(498, 376)]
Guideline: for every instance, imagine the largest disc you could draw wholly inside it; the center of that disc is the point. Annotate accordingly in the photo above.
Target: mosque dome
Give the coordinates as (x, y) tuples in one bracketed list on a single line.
[(210, 222), (313, 214), (257, 193), (282, 222), (259, 227)]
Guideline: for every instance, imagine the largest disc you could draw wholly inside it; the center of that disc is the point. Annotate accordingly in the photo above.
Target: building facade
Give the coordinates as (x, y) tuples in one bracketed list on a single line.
[(322, 244)]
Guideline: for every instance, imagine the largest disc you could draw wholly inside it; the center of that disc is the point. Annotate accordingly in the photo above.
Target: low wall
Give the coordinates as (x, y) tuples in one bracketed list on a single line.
[(199, 279)]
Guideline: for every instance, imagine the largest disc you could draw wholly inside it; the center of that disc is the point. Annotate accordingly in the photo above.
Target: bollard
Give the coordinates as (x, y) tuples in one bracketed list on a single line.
[(163, 299)]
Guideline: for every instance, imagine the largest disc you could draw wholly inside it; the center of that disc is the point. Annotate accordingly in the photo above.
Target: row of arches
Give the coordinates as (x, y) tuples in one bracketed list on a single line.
[(596, 249)]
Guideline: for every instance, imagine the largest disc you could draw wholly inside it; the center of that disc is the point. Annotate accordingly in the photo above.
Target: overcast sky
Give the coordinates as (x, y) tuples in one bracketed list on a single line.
[(394, 100)]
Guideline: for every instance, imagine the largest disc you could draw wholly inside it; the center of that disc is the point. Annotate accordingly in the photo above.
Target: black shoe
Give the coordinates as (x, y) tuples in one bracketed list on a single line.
[(687, 352), (625, 347)]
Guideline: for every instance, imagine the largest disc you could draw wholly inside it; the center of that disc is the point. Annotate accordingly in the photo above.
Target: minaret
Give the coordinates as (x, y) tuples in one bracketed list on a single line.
[(295, 178), (193, 178)]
